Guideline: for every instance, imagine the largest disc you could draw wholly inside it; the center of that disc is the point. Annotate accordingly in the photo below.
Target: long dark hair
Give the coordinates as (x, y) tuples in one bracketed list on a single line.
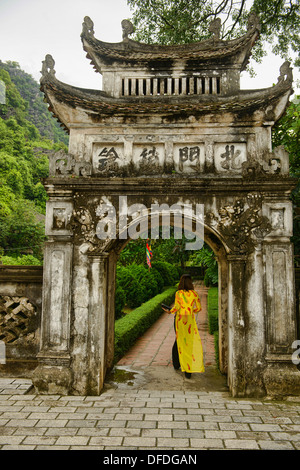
[(185, 283)]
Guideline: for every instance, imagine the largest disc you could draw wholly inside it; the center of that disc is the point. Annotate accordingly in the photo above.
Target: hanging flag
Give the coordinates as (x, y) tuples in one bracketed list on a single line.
[(149, 254)]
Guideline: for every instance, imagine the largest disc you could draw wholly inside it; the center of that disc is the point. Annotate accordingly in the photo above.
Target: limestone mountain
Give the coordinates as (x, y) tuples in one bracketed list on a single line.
[(28, 134), (38, 113)]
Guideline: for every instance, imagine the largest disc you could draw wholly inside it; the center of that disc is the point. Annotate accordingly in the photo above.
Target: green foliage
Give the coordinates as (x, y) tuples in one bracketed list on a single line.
[(19, 229), (168, 271), (185, 21), (213, 309), (135, 293), (213, 320), (163, 250), (120, 301), (216, 345), (139, 284), (23, 163), (130, 327), (134, 252), (287, 133), (39, 120), (206, 258), (25, 260)]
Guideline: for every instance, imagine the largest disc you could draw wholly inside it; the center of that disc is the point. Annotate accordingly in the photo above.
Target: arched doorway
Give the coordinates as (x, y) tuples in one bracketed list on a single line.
[(147, 360), (218, 248)]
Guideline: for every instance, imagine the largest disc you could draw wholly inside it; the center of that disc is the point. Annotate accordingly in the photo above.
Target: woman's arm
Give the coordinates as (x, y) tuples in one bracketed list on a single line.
[(176, 305), (197, 304)]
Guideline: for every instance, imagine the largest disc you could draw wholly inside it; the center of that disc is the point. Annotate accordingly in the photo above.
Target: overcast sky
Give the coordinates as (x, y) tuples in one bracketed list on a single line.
[(30, 29)]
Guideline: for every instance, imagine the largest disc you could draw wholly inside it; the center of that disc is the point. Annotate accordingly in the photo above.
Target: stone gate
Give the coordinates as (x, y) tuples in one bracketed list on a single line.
[(171, 126)]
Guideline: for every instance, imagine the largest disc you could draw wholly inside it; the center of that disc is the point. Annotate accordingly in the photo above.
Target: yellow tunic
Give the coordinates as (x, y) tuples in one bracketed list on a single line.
[(190, 351)]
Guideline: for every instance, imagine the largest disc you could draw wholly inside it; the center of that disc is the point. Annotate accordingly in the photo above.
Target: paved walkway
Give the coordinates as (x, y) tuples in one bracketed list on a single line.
[(155, 347), (147, 405)]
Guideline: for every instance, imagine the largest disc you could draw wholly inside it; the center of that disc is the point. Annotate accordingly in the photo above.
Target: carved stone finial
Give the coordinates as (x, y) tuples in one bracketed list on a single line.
[(88, 26), (48, 65), (127, 28), (215, 28), (286, 72), (253, 21)]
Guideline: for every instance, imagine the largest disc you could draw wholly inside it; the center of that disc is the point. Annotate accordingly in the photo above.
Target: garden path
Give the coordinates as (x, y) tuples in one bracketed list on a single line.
[(154, 348)]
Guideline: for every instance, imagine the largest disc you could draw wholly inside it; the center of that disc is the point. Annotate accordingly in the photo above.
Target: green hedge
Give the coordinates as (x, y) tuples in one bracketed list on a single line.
[(213, 320), (212, 306), (216, 344), (136, 284), (130, 327)]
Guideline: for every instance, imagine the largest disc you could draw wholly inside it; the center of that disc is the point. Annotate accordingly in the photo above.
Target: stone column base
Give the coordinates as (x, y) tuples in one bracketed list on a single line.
[(53, 376), (281, 377)]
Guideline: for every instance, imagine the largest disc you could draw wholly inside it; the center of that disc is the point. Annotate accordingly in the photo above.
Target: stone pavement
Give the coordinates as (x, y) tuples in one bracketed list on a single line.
[(147, 405)]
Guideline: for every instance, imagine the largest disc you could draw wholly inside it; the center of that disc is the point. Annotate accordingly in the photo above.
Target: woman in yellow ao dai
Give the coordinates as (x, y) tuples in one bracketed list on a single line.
[(189, 345)]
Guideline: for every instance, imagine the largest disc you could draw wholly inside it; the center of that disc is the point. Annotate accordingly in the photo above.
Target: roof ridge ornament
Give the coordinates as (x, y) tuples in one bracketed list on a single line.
[(88, 26), (48, 66), (127, 28), (215, 28), (286, 73), (253, 22)]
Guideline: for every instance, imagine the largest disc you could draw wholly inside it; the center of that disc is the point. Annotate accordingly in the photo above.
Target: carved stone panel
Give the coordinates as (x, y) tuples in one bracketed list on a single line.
[(277, 219), (279, 297), (229, 157), (63, 164), (148, 158), (241, 223), (281, 218), (189, 158), (108, 158), (57, 217), (17, 318), (56, 296)]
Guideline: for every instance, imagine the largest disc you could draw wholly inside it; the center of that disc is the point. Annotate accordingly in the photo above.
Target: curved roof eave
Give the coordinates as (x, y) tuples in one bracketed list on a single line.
[(95, 102), (136, 52)]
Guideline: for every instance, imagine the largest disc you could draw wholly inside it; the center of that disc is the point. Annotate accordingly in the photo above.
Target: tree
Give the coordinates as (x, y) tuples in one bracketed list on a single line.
[(23, 162), (20, 231), (287, 133), (206, 258), (184, 21)]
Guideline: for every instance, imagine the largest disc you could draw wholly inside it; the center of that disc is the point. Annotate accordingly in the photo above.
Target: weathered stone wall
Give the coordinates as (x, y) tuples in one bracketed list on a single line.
[(20, 317)]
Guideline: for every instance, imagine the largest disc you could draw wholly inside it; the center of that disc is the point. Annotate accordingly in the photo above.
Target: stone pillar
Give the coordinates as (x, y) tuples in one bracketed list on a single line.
[(236, 325), (255, 334), (53, 375), (96, 340), (281, 376), (110, 319), (223, 314)]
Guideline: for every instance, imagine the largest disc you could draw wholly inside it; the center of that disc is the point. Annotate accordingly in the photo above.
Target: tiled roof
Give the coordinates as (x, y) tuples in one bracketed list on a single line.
[(99, 103), (130, 51)]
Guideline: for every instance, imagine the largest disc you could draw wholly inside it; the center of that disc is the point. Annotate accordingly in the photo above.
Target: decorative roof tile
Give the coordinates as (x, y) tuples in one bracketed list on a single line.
[(129, 51), (95, 102)]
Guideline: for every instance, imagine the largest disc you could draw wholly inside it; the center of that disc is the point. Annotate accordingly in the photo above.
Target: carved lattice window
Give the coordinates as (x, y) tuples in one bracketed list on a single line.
[(16, 315), (171, 86)]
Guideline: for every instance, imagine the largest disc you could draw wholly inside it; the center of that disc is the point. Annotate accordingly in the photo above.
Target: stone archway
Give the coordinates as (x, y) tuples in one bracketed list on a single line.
[(170, 127), (114, 248), (77, 336)]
